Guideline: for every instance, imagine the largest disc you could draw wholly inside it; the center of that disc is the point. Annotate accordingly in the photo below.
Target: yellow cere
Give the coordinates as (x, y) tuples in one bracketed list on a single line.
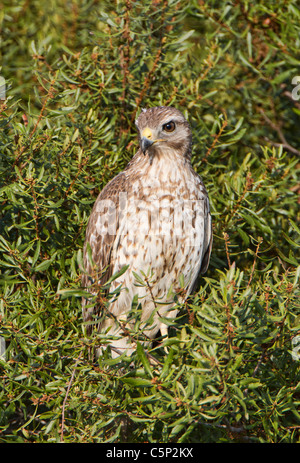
[(147, 133)]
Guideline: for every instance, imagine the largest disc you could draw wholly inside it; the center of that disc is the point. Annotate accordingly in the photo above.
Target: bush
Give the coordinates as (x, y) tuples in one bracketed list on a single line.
[(75, 81)]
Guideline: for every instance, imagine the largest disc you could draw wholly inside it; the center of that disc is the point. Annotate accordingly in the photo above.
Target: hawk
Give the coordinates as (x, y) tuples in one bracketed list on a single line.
[(153, 221)]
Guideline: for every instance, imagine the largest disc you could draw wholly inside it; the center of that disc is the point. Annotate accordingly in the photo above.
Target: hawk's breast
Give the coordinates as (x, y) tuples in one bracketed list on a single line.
[(162, 229)]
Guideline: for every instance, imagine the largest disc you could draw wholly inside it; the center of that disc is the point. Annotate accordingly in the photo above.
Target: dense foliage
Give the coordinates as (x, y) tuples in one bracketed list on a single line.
[(77, 73)]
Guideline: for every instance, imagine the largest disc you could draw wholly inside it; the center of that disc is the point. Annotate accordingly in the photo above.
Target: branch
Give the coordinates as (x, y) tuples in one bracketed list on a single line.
[(281, 136), (66, 398)]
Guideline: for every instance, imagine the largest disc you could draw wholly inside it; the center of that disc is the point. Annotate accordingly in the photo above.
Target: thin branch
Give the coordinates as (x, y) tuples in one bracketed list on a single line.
[(290, 96), (248, 186), (226, 238), (281, 136), (217, 136), (66, 398), (260, 240), (50, 95)]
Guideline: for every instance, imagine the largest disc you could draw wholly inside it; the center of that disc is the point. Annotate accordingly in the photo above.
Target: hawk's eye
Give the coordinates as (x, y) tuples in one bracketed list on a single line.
[(169, 126)]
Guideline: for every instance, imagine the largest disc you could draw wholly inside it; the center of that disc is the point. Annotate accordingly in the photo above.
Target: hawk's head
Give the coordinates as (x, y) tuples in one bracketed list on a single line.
[(162, 128)]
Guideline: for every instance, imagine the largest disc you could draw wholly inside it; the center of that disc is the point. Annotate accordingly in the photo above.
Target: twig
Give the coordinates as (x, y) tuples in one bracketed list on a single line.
[(66, 398), (290, 96), (226, 238), (286, 146), (217, 136), (281, 136), (260, 360), (260, 240), (248, 186), (49, 96), (31, 182), (150, 290)]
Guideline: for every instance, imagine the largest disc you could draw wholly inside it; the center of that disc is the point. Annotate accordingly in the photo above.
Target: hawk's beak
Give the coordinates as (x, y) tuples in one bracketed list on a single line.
[(145, 143), (146, 139)]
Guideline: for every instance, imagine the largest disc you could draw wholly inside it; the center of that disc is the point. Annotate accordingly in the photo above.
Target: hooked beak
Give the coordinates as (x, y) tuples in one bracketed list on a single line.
[(147, 139), (145, 143)]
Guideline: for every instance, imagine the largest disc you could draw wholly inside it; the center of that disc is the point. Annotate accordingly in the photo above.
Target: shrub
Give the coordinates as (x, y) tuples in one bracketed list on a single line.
[(75, 81)]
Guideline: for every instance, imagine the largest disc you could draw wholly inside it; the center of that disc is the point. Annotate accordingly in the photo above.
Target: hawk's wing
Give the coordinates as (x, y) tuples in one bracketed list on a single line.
[(100, 237), (208, 237), (207, 244)]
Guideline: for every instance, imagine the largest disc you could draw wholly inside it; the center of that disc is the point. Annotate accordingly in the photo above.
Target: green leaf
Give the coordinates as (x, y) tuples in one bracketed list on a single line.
[(117, 275), (184, 37), (36, 253), (43, 266), (137, 382), (143, 358), (201, 334)]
